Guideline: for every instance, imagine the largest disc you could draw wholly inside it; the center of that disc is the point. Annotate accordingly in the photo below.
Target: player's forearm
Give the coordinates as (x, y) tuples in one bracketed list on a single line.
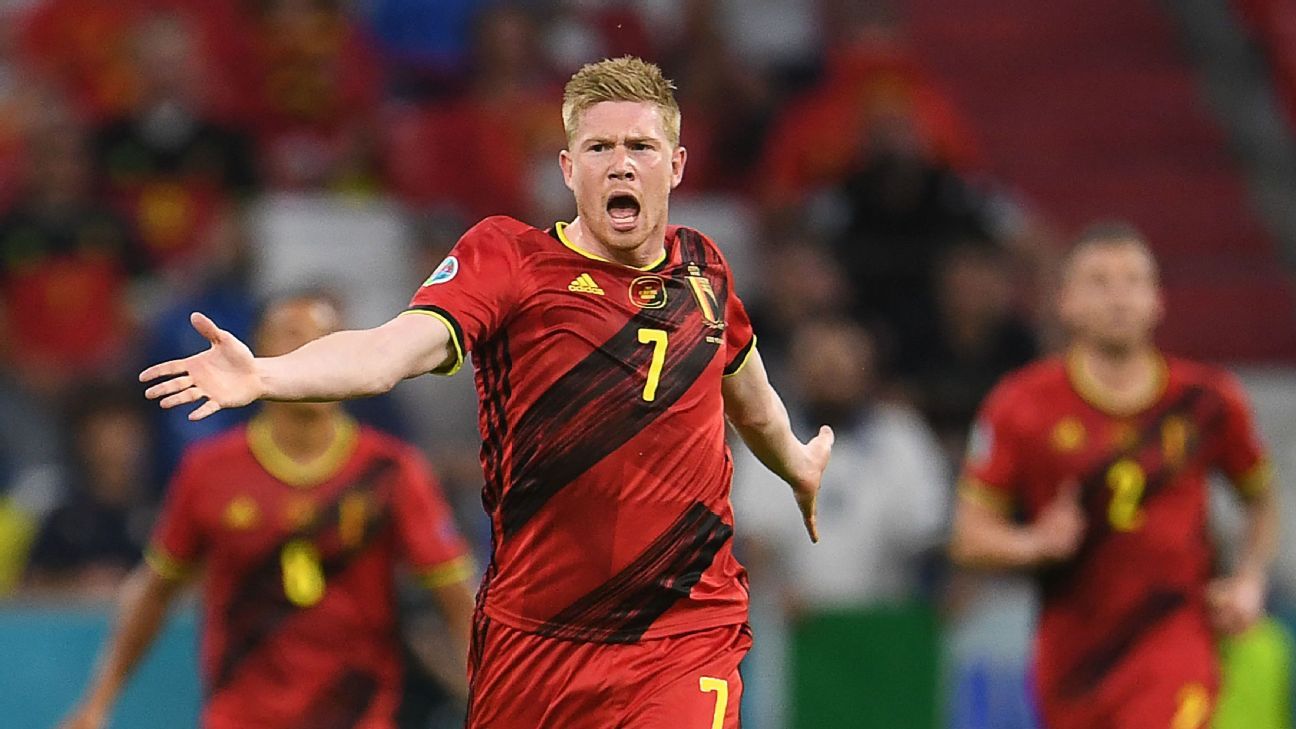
[(342, 365), (980, 543), (142, 611), (765, 428), (1260, 542)]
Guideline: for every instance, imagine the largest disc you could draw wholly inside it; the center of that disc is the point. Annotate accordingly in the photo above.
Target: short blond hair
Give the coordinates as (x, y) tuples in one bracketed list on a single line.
[(620, 79)]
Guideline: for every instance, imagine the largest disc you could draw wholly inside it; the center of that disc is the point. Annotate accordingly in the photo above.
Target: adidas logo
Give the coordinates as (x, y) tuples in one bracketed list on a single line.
[(584, 284)]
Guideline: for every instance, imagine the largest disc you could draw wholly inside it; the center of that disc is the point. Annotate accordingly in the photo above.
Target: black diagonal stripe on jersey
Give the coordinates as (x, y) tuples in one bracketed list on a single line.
[(597, 406), (490, 371), (1204, 411), (623, 608), (343, 703), (493, 367), (259, 605), (1089, 671)]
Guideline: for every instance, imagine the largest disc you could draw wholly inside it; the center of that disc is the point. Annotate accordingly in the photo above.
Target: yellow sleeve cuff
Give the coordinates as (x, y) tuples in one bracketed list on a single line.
[(1257, 480), (456, 335), (459, 569), (166, 566), (741, 361), (984, 494)]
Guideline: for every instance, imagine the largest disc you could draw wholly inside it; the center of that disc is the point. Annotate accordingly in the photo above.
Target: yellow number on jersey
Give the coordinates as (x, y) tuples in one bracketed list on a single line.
[(1194, 707), (1126, 480), (721, 689), (657, 338), (303, 578)]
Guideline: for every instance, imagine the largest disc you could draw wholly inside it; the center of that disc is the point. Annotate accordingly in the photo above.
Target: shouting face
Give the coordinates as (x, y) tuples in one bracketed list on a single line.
[(622, 167)]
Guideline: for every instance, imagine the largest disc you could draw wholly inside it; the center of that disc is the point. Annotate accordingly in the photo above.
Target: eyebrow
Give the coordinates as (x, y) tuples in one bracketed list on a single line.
[(628, 140)]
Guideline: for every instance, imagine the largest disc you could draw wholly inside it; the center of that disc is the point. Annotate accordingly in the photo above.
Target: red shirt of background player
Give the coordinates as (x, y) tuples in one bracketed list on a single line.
[(272, 536), (1130, 607)]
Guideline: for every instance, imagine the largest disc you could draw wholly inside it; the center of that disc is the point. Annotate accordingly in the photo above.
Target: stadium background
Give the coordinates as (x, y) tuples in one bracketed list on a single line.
[(891, 180)]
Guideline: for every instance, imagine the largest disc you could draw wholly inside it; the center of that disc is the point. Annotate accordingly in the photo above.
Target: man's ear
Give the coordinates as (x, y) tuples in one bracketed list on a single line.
[(678, 158), (565, 164)]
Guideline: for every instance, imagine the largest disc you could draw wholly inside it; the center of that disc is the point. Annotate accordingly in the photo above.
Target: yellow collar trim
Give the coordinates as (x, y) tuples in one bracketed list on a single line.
[(561, 229), (302, 475), (1096, 394)]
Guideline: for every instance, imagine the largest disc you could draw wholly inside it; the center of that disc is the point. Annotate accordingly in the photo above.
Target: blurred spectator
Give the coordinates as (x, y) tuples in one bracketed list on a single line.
[(222, 290), (87, 545), (870, 77), (86, 47), (816, 290), (900, 209), (315, 88), (724, 103), (420, 38), (492, 151), (168, 163), (65, 263), (972, 338), (15, 85), (31, 476), (883, 499)]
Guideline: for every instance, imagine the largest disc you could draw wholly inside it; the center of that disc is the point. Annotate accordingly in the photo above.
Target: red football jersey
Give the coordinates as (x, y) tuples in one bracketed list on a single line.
[(603, 435), (299, 606), (1146, 557)]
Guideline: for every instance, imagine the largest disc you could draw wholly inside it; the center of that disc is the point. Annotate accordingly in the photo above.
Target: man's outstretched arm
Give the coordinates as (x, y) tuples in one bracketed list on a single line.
[(341, 365), (758, 414)]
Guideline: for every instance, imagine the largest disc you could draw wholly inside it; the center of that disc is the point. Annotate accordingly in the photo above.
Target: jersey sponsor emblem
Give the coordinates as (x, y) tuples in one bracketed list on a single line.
[(1068, 435), (648, 292), (448, 269), (584, 284), (980, 442), (241, 513), (705, 296)]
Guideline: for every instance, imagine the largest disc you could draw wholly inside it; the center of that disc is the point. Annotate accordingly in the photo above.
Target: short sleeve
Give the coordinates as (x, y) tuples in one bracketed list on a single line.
[(425, 529), (473, 290), (739, 338), (1241, 453), (176, 543), (991, 469)]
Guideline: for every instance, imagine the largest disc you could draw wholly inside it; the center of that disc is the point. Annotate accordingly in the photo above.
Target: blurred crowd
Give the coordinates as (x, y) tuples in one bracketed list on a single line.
[(144, 145)]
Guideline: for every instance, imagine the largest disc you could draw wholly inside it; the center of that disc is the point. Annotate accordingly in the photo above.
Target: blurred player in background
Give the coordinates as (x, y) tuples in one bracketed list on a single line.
[(1105, 453), (298, 521), (608, 353)]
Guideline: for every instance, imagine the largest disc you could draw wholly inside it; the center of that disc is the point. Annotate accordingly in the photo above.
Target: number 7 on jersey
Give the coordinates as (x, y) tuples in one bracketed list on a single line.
[(657, 338)]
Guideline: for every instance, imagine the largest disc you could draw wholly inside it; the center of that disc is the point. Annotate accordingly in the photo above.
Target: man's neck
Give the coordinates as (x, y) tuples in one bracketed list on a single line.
[(302, 433), (1127, 377), (645, 254)]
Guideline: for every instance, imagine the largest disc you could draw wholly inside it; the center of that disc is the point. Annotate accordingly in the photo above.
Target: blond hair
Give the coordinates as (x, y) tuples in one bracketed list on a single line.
[(620, 79)]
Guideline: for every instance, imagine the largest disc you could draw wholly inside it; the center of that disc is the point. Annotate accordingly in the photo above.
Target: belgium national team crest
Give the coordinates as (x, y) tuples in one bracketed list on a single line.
[(706, 297)]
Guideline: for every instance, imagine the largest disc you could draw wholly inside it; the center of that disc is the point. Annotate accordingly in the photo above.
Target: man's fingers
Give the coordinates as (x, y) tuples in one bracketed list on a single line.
[(202, 411), (182, 398), (205, 327), (170, 387), (165, 369), (812, 526), (826, 433)]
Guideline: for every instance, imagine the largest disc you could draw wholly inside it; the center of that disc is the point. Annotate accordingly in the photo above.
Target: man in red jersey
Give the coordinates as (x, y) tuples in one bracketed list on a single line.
[(298, 520), (1103, 456), (608, 353)]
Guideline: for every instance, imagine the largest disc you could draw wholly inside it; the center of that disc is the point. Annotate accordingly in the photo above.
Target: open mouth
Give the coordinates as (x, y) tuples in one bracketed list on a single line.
[(623, 209)]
